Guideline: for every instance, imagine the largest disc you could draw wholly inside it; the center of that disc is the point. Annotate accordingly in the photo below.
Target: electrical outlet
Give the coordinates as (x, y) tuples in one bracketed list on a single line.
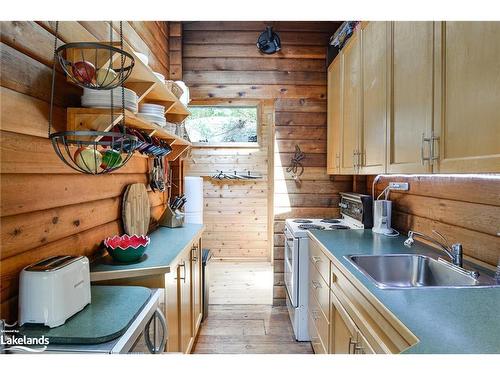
[(399, 186)]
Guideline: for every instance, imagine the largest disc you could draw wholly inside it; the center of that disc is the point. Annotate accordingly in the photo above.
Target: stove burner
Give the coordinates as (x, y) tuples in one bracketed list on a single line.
[(310, 226), (330, 221), (303, 221), (337, 226)]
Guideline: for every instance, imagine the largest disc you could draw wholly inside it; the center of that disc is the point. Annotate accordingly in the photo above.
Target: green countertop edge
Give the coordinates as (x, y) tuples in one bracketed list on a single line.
[(447, 321), (103, 302), (166, 244)]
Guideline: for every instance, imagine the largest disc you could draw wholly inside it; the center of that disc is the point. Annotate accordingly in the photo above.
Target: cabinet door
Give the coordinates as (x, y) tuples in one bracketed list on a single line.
[(196, 285), (373, 130), (343, 330), (468, 87), (351, 105), (334, 115), (186, 317), (172, 300), (411, 81)]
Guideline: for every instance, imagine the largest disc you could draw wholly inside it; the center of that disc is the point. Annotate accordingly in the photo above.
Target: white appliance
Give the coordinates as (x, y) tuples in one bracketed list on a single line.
[(53, 290), (356, 211), (193, 191), (382, 212)]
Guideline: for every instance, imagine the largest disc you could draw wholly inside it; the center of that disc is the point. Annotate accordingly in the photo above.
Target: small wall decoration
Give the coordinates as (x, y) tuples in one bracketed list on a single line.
[(296, 169)]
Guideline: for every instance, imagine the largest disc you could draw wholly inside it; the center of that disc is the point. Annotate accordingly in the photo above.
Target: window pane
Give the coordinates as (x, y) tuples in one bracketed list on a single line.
[(222, 124)]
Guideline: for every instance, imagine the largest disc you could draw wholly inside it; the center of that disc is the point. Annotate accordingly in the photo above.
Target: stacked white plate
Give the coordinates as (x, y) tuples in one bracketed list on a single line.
[(102, 98), (153, 113)]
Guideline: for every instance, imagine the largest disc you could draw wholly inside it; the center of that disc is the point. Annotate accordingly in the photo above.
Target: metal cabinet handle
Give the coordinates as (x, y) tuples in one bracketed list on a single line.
[(315, 259), (433, 157), (183, 265), (194, 258), (337, 161), (352, 344), (315, 284), (422, 152)]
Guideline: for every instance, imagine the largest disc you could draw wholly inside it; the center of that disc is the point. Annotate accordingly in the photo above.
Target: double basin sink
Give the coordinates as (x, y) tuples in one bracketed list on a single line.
[(399, 271)]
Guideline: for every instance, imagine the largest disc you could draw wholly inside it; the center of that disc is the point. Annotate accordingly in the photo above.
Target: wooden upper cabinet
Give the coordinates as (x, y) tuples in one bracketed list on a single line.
[(334, 116), (372, 135), (468, 87), (411, 82), (351, 105)]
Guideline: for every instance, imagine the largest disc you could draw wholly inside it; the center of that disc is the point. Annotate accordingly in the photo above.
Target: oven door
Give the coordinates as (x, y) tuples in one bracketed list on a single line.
[(291, 267)]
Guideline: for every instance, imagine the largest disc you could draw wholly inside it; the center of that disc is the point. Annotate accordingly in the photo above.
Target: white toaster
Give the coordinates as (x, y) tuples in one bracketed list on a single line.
[(54, 289)]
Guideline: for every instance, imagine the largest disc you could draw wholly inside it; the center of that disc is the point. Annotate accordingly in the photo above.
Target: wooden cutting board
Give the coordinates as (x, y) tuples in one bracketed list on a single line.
[(136, 210)]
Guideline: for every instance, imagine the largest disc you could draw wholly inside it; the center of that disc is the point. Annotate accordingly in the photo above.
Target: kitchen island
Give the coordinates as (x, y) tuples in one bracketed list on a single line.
[(444, 320)]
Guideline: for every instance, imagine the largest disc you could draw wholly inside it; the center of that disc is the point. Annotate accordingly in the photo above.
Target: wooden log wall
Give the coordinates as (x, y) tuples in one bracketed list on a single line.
[(464, 209), (46, 208), (221, 61)]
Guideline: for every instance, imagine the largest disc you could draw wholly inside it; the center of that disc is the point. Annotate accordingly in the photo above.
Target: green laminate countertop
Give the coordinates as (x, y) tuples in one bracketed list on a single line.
[(111, 311), (445, 320), (166, 244)]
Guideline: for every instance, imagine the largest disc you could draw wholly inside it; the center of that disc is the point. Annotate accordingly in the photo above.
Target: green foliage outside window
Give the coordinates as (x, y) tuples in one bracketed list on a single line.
[(216, 124)]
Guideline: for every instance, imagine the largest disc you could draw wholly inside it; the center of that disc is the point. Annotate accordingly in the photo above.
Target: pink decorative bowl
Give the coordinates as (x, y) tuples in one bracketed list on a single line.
[(126, 248)]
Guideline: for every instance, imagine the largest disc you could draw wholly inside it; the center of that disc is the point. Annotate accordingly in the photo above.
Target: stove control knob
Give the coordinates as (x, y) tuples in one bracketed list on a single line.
[(343, 205), (357, 210)]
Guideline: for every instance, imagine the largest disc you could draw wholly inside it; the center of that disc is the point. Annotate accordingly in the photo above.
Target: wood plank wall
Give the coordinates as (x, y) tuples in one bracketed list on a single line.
[(221, 61), (47, 208), (236, 212), (464, 209)]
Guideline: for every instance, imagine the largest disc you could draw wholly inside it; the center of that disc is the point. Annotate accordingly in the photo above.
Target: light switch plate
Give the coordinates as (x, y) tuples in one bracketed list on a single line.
[(404, 186)]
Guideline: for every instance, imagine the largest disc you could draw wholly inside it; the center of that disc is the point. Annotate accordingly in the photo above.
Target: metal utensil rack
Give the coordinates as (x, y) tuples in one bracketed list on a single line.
[(234, 175)]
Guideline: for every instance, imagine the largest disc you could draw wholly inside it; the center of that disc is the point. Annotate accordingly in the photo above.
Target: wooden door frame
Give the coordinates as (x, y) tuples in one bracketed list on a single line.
[(259, 103)]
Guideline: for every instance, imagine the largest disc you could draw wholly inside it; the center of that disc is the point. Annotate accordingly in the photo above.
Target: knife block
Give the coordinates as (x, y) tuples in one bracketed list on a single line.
[(172, 218)]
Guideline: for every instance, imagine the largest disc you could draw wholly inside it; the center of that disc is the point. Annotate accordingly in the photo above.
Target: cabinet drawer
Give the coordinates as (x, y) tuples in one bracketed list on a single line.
[(319, 320), (318, 347), (319, 289), (320, 260)]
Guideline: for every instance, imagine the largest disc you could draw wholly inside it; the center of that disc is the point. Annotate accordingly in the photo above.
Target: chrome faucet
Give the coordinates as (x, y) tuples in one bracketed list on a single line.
[(454, 251)]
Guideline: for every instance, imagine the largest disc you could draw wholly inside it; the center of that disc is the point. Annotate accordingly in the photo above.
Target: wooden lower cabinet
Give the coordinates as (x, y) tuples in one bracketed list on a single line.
[(183, 300), (196, 284), (344, 317)]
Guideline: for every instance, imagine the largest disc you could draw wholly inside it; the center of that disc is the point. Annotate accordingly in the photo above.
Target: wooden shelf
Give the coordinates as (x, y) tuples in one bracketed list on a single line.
[(151, 89), (100, 119), (142, 80)]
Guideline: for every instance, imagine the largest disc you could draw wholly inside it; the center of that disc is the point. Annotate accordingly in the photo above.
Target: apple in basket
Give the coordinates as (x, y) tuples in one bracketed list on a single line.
[(88, 159), (126, 248), (83, 71), (111, 159)]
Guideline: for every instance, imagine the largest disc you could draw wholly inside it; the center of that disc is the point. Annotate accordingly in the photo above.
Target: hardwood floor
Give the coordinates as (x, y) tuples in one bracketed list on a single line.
[(240, 283), (248, 329), (241, 318)]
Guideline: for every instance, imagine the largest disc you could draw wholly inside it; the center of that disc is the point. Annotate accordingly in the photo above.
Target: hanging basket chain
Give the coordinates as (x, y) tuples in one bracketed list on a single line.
[(53, 84)]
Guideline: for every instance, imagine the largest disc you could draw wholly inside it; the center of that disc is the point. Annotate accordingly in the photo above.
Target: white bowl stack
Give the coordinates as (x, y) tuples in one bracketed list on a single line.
[(153, 113), (102, 98)]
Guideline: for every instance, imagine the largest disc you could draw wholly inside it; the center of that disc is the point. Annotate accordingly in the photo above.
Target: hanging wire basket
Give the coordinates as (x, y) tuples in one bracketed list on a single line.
[(100, 67), (96, 66), (94, 152)]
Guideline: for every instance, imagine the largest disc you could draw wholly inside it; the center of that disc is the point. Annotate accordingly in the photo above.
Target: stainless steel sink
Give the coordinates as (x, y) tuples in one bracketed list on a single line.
[(395, 271)]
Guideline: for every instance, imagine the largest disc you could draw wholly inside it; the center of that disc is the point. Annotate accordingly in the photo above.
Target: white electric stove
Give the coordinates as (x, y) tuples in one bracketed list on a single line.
[(356, 211)]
